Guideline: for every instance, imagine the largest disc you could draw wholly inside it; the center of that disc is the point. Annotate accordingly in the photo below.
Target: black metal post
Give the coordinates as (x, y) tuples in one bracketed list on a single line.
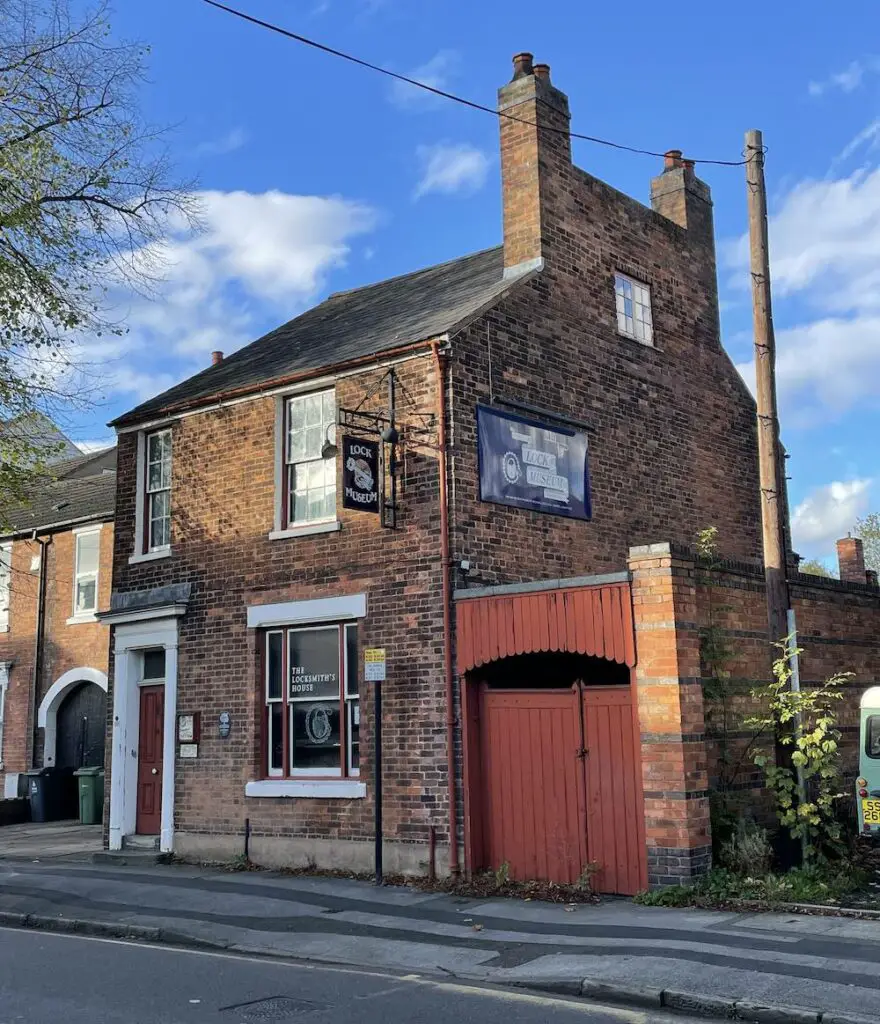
[(377, 770)]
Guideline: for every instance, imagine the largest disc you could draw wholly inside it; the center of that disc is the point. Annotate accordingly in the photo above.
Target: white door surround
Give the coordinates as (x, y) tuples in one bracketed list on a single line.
[(47, 715), (130, 638)]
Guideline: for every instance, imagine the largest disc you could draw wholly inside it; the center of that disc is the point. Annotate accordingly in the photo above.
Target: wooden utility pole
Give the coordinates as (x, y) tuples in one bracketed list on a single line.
[(771, 472)]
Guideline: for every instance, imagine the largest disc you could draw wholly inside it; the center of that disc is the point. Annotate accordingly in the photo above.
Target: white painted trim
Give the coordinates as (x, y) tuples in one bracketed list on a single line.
[(278, 498), (48, 710), (91, 528), (123, 617), (871, 697), (331, 526), (140, 483), (150, 556), (284, 389), (76, 620), (84, 531), (343, 789), (323, 609), (4, 686), (130, 639)]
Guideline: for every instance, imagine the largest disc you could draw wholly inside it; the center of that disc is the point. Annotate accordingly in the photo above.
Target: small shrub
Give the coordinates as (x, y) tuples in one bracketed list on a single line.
[(502, 875), (748, 850)]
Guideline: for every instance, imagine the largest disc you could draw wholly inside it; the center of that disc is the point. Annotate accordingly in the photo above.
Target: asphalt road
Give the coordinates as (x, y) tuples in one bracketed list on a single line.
[(47, 978)]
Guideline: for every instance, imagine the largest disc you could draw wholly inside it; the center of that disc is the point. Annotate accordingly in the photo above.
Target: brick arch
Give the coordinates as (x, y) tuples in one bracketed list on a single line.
[(596, 620)]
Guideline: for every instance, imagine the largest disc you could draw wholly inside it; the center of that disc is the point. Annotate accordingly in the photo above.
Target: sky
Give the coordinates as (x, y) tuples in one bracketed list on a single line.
[(317, 176)]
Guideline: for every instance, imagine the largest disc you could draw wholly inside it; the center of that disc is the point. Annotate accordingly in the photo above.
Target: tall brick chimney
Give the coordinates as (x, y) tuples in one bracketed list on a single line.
[(680, 196), (533, 149), (851, 560)]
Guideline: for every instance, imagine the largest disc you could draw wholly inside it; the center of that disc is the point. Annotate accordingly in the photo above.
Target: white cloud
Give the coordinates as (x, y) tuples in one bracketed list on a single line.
[(259, 260), (451, 167), (438, 72), (234, 139), (825, 249), (869, 137), (827, 514), (847, 80)]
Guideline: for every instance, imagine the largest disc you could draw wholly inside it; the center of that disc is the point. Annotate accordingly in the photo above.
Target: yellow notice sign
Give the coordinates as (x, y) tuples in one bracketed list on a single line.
[(374, 664)]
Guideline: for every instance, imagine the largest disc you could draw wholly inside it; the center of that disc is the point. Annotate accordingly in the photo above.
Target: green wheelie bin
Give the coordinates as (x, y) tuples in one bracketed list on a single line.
[(90, 783)]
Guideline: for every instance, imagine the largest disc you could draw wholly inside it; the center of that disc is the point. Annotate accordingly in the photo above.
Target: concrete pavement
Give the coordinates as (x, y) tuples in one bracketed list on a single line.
[(716, 963), (50, 840)]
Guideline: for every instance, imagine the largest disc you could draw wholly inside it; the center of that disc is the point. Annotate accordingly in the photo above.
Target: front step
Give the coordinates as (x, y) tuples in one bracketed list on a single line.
[(134, 858), (135, 842)]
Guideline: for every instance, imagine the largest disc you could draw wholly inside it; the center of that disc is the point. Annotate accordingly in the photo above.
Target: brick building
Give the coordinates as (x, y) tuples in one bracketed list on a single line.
[(485, 468), (55, 574)]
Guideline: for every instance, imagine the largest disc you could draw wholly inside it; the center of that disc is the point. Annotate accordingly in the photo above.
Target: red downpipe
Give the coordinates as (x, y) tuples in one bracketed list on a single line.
[(440, 364)]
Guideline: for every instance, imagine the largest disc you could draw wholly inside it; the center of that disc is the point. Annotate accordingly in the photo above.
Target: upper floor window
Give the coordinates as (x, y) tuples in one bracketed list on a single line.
[(85, 585), (309, 465), (5, 583), (633, 301), (157, 504)]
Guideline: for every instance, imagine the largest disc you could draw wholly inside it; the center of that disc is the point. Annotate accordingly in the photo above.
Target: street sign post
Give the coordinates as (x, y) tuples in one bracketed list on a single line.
[(374, 672)]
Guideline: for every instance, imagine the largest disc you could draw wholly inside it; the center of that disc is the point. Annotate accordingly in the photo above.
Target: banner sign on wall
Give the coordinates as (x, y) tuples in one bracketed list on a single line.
[(360, 474), (527, 464)]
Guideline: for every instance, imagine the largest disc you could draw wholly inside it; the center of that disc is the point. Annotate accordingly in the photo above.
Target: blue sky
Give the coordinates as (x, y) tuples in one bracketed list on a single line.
[(318, 176)]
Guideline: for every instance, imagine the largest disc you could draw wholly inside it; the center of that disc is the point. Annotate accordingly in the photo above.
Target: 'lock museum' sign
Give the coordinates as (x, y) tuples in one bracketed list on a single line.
[(360, 474)]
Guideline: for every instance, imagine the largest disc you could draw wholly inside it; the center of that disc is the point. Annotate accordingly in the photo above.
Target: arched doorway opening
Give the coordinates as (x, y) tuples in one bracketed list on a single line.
[(75, 704), (80, 728)]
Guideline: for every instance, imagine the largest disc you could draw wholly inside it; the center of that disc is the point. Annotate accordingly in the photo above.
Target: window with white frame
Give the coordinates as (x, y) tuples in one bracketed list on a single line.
[(157, 494), (85, 572), (633, 301), (5, 584), (310, 471), (312, 710)]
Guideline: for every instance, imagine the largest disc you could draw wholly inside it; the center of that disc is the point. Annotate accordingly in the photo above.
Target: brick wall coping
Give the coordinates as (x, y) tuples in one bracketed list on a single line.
[(506, 589)]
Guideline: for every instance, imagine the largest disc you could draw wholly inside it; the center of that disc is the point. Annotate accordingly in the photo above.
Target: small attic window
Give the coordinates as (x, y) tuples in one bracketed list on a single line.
[(633, 302)]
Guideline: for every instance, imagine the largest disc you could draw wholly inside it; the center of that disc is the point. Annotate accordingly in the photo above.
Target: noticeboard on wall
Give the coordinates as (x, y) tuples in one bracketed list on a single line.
[(528, 464)]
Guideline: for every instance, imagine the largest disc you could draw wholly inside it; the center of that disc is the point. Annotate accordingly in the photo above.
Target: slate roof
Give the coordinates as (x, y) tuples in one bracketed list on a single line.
[(346, 326), (79, 490)]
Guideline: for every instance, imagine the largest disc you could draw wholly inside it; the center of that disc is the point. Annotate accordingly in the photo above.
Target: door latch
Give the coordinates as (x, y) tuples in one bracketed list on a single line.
[(582, 753)]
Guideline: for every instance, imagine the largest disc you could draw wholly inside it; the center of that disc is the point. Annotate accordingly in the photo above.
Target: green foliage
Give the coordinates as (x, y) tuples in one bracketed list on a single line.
[(813, 567), (868, 530), (806, 721), (748, 850), (502, 875), (818, 883)]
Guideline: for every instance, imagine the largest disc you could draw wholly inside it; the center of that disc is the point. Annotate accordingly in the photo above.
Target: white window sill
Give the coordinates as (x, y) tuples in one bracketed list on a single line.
[(75, 620), (340, 789), (307, 530), (150, 556), (4, 628)]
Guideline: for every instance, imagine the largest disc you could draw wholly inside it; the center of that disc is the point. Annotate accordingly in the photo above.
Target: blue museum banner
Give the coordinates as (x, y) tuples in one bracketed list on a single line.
[(527, 464)]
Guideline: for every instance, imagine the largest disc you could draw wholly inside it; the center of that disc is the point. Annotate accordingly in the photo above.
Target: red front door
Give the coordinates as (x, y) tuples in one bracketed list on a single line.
[(149, 788)]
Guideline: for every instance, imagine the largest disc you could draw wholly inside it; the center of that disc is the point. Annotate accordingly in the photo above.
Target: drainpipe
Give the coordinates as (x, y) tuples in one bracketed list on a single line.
[(440, 365), (38, 639)]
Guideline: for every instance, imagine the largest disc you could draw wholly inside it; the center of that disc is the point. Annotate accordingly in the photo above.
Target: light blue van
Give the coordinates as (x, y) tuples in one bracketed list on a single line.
[(868, 782)]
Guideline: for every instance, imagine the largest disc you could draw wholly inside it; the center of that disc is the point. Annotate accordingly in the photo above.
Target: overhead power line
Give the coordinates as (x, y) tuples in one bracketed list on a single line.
[(448, 95)]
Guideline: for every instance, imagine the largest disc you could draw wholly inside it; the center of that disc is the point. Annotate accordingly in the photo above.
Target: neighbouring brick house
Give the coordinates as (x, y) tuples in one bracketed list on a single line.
[(548, 418), (56, 562)]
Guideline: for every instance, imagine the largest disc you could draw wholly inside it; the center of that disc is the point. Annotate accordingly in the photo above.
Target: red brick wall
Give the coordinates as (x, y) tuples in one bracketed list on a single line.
[(222, 508), (65, 647)]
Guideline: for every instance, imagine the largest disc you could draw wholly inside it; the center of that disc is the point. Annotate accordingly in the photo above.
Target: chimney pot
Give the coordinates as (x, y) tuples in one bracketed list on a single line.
[(672, 158), (216, 357), (542, 71), (522, 65)]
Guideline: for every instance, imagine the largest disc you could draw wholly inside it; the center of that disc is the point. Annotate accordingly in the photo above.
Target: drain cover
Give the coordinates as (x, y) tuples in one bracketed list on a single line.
[(273, 1008)]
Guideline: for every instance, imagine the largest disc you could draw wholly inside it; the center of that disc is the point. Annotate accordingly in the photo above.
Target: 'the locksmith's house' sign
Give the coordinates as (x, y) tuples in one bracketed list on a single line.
[(528, 464)]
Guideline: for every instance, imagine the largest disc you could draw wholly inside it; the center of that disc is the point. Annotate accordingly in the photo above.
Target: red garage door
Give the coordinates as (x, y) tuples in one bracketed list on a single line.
[(561, 789)]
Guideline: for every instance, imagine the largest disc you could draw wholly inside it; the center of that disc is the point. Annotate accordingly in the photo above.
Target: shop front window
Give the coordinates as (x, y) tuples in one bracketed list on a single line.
[(312, 719)]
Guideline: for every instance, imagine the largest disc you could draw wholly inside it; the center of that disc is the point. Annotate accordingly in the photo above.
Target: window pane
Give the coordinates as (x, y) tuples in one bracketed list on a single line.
[(87, 552), (316, 505), (297, 446), (301, 506), (329, 407), (313, 410), (276, 738), (154, 664), (314, 663), (316, 474), (872, 740), (297, 413), (274, 670), (160, 533), (314, 442), (354, 732), (86, 595), (352, 666), (330, 503), (315, 736)]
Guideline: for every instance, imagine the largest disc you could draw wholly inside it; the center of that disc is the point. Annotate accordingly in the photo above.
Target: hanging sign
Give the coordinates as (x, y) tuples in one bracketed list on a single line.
[(360, 474), (374, 664), (528, 464)]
